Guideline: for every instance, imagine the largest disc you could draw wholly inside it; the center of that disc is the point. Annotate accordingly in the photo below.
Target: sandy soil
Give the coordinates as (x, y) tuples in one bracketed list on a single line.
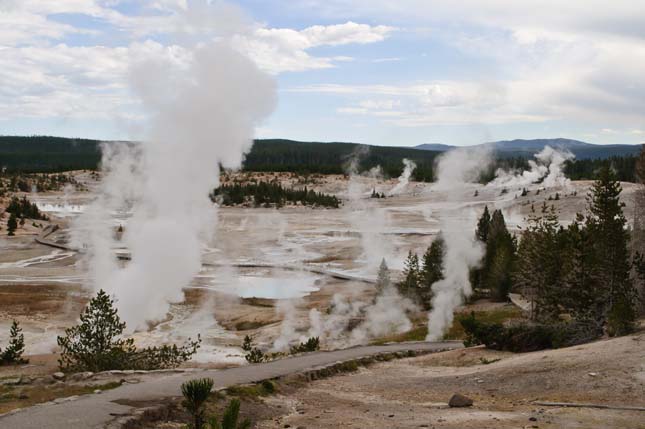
[(413, 393)]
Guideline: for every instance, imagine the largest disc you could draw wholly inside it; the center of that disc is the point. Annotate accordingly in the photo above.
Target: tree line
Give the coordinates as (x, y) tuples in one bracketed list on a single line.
[(269, 194), (38, 154)]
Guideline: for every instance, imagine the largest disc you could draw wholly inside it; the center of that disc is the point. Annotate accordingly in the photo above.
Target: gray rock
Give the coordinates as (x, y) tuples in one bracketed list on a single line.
[(58, 376), (458, 400)]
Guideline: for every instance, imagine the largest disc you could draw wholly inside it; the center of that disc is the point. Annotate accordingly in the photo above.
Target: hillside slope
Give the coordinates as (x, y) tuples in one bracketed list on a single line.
[(527, 148)]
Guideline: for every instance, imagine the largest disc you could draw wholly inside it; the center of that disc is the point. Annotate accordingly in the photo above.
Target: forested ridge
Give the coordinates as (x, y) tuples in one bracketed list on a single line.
[(36, 154)]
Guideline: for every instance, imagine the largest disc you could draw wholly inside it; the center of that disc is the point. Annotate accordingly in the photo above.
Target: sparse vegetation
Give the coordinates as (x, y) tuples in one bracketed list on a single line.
[(96, 344), (255, 355), (311, 345), (22, 208), (271, 194)]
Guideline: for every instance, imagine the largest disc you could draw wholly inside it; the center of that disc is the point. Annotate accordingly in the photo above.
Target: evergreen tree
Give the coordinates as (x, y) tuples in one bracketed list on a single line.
[(12, 224), (483, 226), (96, 344), (410, 283), (12, 354), (606, 224), (432, 269), (383, 280), (537, 273), (581, 290), (499, 260)]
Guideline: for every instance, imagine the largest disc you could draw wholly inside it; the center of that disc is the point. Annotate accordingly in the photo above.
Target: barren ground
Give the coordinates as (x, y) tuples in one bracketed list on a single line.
[(412, 393)]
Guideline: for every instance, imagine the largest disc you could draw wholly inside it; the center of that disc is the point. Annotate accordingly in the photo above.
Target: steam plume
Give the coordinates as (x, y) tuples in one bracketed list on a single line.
[(202, 115), (455, 170), (404, 178), (547, 169)]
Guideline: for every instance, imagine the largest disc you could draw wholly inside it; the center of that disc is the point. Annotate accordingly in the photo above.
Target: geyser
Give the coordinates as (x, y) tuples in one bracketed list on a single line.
[(455, 171), (202, 114), (547, 169)]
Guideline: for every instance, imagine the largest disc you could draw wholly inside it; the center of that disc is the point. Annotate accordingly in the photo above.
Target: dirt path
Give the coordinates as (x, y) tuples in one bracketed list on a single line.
[(96, 411)]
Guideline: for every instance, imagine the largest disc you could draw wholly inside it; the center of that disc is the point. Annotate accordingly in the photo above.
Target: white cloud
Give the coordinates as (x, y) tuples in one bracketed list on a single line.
[(43, 77), (282, 49), (563, 61)]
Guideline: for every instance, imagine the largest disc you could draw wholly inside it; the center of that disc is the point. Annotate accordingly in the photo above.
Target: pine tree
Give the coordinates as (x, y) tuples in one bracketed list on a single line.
[(432, 270), (580, 287), (383, 280), (483, 225), (410, 283), (12, 225), (12, 354), (96, 343), (606, 224), (537, 273), (499, 259)]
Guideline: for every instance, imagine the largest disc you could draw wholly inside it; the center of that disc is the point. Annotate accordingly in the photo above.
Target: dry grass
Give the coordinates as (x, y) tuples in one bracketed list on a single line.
[(14, 397)]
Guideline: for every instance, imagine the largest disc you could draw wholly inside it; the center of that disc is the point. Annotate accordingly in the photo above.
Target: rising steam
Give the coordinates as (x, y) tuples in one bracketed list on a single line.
[(547, 169), (201, 116), (404, 178), (455, 171)]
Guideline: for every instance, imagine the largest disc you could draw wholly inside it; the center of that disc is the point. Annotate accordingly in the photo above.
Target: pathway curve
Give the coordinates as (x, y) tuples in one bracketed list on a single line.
[(100, 410)]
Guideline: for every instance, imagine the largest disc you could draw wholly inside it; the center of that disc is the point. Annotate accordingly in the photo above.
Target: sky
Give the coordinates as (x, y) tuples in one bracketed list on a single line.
[(397, 73)]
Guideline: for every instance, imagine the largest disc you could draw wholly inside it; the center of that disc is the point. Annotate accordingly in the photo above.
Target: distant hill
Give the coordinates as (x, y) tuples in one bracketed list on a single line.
[(48, 154), (45, 154), (334, 157), (37, 154), (527, 148)]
